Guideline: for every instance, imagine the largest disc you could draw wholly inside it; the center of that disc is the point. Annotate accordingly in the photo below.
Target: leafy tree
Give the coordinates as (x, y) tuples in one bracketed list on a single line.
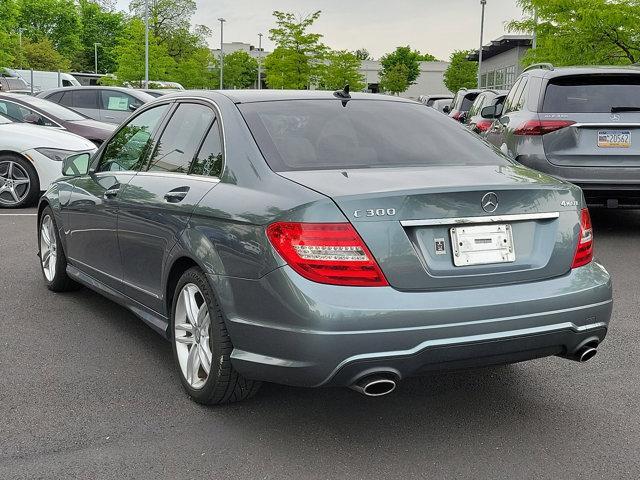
[(395, 79), (362, 54), (461, 73), (165, 16), (582, 32), (42, 55), (193, 70), (341, 69), (8, 49), (240, 70), (426, 57), (130, 56), (99, 25), (296, 61), (409, 58)]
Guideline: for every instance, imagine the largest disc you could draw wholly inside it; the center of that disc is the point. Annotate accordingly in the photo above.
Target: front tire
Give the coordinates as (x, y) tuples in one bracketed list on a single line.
[(201, 344), (19, 183), (53, 261)]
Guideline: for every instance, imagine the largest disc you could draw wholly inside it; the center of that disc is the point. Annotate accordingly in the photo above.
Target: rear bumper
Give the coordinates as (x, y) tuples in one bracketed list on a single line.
[(288, 330)]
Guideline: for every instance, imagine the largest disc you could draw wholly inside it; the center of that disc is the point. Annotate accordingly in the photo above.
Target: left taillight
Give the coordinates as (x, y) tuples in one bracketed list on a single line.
[(541, 127), (331, 253), (584, 252), (483, 125)]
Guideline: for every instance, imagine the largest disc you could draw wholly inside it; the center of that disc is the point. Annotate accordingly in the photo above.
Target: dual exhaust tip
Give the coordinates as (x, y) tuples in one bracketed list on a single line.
[(376, 385)]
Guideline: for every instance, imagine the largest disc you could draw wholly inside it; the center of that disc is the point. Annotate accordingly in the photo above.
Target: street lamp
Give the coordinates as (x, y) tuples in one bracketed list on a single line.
[(483, 3), (260, 61), (95, 56), (146, 43), (20, 45), (221, 20)]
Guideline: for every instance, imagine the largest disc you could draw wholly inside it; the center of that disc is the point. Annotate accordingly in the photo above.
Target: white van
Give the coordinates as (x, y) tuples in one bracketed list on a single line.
[(48, 80)]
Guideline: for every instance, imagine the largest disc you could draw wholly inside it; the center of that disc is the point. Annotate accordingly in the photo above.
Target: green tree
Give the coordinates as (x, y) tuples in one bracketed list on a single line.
[(8, 41), (407, 57), (240, 70), (130, 56), (461, 73), (165, 16), (297, 60), (99, 25), (341, 69), (193, 70), (426, 57), (42, 55), (582, 32), (395, 79), (362, 54)]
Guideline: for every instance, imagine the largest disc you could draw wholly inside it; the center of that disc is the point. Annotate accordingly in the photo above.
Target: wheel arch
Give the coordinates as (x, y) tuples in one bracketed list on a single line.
[(181, 264)]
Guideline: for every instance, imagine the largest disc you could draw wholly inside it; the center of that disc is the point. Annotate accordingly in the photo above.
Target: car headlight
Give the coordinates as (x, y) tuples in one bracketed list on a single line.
[(55, 154)]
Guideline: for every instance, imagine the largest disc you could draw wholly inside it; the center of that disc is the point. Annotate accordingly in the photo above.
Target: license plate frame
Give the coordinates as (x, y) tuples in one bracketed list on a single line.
[(482, 244), (614, 138)]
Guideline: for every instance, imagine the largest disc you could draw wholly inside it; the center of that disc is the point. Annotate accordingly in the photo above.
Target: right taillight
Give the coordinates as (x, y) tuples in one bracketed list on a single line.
[(584, 252), (541, 127)]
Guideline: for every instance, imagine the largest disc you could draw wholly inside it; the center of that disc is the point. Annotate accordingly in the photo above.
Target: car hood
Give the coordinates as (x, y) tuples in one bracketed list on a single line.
[(23, 136)]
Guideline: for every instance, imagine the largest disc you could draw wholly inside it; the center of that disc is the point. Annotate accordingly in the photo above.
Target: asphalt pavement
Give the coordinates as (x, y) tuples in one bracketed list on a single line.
[(88, 391)]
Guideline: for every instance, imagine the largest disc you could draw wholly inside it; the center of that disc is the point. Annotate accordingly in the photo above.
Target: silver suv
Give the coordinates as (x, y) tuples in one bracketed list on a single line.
[(578, 123)]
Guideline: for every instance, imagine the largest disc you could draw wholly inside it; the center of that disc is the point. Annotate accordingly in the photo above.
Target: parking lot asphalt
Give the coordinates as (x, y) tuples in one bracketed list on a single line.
[(88, 391)]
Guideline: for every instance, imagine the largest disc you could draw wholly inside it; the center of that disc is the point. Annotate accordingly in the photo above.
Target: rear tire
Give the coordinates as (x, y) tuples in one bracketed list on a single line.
[(19, 182), (201, 344), (53, 261)]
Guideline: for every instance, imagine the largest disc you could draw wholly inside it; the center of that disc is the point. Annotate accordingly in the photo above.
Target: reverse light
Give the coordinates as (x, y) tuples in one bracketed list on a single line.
[(584, 252), (331, 253), (541, 127)]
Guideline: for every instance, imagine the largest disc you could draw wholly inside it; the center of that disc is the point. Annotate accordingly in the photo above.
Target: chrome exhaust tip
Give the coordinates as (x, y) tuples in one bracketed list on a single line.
[(375, 385), (585, 354)]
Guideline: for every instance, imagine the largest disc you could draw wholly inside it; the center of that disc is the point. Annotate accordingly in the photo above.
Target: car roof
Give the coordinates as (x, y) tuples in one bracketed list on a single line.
[(130, 91), (582, 70), (251, 96)]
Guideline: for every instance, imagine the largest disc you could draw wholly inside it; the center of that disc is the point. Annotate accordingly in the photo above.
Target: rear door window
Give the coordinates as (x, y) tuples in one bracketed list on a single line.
[(85, 98), (118, 101), (331, 134), (591, 93), (209, 160)]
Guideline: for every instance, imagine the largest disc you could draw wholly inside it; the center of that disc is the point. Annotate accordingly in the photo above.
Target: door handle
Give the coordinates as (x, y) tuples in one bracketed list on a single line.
[(112, 192), (176, 195)]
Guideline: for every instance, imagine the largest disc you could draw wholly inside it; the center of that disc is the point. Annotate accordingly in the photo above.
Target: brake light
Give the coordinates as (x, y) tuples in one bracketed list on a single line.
[(331, 253), (483, 125), (541, 127), (584, 252)]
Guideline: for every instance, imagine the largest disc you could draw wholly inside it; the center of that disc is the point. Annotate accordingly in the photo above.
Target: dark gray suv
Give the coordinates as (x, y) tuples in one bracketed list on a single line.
[(580, 124), (319, 238)]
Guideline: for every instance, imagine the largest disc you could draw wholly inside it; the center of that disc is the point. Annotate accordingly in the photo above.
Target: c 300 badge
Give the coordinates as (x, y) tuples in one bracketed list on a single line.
[(377, 212)]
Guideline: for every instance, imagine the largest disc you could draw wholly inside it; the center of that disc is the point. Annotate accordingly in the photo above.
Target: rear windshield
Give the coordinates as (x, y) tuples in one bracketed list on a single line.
[(591, 93), (331, 134)]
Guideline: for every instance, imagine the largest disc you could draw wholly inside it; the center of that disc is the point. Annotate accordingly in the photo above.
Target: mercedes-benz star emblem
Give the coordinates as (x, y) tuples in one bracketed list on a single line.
[(489, 202), (615, 117)]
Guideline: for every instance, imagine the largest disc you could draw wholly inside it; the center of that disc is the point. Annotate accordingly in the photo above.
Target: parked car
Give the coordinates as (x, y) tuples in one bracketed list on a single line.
[(441, 105), (581, 124), (24, 108), (461, 104), (107, 104), (43, 80), (473, 119), (284, 236), (31, 158), (158, 92), (428, 100)]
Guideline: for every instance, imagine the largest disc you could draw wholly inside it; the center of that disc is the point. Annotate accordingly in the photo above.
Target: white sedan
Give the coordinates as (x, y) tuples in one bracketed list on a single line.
[(31, 158)]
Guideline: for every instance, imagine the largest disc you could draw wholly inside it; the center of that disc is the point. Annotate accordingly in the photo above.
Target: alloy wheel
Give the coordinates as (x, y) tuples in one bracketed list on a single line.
[(14, 183), (191, 335), (48, 248)]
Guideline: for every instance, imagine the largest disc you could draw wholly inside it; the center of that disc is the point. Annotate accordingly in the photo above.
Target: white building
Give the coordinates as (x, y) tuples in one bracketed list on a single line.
[(231, 47), (430, 81)]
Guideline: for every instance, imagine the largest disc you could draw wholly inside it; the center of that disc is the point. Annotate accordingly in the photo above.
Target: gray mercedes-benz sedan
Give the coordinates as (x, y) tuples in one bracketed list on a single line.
[(319, 238)]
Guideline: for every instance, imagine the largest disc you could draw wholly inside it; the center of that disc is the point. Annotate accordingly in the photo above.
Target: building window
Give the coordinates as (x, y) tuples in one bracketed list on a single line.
[(510, 76)]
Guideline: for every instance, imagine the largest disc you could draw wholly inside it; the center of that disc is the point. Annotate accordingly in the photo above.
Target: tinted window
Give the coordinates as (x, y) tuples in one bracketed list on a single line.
[(209, 159), (467, 101), (480, 101), (66, 99), (181, 138), (128, 150), (53, 109), (327, 134), (511, 102), (592, 93), (55, 97), (85, 98), (118, 101)]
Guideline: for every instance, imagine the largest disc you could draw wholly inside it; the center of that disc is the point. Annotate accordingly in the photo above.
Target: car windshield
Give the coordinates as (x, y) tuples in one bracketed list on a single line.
[(592, 93), (334, 134), (53, 109)]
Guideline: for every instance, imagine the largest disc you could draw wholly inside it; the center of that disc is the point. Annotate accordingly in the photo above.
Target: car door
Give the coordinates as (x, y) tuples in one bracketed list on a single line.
[(85, 101), (116, 106), (157, 204), (92, 212)]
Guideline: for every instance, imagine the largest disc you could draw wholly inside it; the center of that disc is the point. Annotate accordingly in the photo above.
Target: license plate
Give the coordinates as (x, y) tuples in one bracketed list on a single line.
[(482, 245), (614, 139)]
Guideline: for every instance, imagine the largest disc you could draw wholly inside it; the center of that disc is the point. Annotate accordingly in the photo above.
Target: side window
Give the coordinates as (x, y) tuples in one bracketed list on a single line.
[(55, 98), (181, 137), (129, 148), (66, 99), (66, 83), (209, 160), (118, 101), (85, 98), (522, 98), (514, 93)]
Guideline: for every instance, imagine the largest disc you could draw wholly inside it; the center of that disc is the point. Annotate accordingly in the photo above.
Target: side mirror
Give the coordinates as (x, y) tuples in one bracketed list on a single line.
[(490, 111), (446, 109), (75, 165), (133, 108)]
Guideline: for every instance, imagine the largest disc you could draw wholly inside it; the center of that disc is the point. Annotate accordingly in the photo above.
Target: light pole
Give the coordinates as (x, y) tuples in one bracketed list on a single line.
[(95, 57), (146, 43), (221, 20), (483, 3), (259, 61), (534, 41), (20, 45)]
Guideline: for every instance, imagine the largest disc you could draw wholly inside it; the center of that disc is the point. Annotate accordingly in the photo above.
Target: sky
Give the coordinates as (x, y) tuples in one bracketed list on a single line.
[(434, 26)]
